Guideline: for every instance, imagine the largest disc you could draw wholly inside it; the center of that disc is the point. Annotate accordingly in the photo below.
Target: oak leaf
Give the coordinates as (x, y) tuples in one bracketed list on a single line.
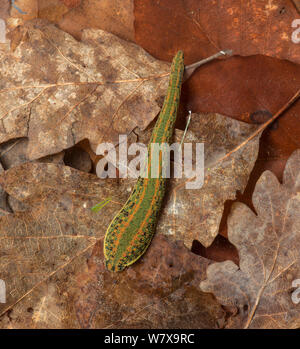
[(57, 227), (57, 91), (52, 279), (262, 287), (248, 28), (159, 291)]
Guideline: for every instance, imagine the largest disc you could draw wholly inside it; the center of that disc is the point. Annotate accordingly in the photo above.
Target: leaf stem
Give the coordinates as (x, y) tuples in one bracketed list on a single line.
[(189, 69)]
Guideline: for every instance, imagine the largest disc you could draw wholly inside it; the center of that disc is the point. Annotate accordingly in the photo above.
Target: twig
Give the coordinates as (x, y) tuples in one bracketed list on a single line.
[(263, 126), (189, 69), (79, 83), (186, 127), (208, 59)]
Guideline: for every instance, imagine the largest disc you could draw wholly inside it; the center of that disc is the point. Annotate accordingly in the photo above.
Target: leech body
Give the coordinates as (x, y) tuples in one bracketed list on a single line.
[(131, 231)]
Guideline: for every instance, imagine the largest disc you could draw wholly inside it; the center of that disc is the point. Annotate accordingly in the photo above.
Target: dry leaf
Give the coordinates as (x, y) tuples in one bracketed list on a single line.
[(30, 7), (15, 152), (195, 214), (114, 16), (160, 291), (52, 10), (191, 215), (45, 248), (71, 3), (269, 244), (58, 91), (58, 227), (297, 4), (4, 9), (73, 16), (202, 27)]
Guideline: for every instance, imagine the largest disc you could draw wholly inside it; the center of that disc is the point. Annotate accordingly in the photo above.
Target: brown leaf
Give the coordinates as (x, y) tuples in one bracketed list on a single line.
[(189, 215), (71, 3), (15, 152), (114, 16), (242, 87), (203, 27), (58, 91), (268, 245), (196, 214), (160, 291), (44, 252), (53, 10), (297, 4), (73, 16), (4, 9), (58, 229), (30, 7)]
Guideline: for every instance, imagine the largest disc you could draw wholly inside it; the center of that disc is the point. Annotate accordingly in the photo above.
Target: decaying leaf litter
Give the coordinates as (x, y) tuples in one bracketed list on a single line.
[(41, 316), (269, 245), (93, 89), (266, 59)]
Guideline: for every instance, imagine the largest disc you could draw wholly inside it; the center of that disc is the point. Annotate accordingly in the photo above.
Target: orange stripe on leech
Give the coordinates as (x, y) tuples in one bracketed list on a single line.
[(166, 102), (130, 217), (156, 190), (158, 180), (160, 162), (174, 106), (157, 183)]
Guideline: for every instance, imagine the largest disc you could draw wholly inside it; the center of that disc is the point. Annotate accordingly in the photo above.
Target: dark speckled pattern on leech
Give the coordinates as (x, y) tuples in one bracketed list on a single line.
[(131, 231)]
